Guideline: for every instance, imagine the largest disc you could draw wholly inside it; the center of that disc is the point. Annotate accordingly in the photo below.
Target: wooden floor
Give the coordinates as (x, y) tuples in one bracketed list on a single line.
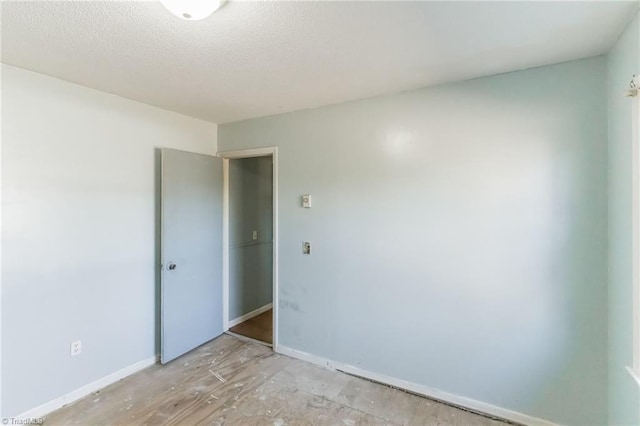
[(259, 327), (233, 382)]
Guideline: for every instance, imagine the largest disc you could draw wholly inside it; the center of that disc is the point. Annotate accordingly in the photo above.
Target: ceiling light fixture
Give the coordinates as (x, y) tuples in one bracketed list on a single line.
[(192, 10)]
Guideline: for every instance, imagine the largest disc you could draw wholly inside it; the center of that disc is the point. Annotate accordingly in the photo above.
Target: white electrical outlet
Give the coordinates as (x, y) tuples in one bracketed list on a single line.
[(76, 347), (306, 201), (254, 235)]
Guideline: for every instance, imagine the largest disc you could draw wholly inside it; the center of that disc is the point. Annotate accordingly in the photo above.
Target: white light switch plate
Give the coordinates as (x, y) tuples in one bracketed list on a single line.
[(306, 201)]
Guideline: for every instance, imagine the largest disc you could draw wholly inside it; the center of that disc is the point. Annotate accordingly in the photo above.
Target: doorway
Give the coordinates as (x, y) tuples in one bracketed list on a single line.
[(194, 251), (249, 280)]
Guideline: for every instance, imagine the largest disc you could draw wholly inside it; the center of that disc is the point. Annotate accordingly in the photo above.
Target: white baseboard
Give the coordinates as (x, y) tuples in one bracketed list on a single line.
[(48, 407), (460, 401), (250, 315)]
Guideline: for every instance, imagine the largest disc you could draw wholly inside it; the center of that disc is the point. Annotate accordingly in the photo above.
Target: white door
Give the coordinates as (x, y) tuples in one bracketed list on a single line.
[(191, 283)]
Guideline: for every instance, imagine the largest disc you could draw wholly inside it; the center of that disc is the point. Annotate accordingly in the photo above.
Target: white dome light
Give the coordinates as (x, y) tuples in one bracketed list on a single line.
[(192, 10)]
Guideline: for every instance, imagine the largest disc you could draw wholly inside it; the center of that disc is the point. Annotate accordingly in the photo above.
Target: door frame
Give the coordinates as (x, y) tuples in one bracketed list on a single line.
[(236, 154)]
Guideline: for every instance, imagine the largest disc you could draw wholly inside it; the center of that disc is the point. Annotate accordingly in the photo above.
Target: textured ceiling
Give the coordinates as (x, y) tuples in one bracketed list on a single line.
[(253, 59)]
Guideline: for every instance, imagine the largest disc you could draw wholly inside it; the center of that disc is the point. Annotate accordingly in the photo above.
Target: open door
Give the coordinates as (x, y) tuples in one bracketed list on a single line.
[(191, 283)]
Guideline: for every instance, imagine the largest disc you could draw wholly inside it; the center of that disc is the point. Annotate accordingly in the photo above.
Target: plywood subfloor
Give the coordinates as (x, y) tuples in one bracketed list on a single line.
[(259, 327), (234, 382)]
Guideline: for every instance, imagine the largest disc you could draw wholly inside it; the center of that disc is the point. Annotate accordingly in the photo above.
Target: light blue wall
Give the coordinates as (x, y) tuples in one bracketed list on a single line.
[(78, 237), (459, 236), (250, 208), (622, 62)]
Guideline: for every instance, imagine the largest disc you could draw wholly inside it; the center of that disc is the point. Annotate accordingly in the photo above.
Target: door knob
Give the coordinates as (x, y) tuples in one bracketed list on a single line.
[(172, 266)]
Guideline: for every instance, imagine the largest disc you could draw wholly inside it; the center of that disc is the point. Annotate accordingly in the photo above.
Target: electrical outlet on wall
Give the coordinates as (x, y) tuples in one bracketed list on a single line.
[(306, 247), (76, 347), (254, 235)]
